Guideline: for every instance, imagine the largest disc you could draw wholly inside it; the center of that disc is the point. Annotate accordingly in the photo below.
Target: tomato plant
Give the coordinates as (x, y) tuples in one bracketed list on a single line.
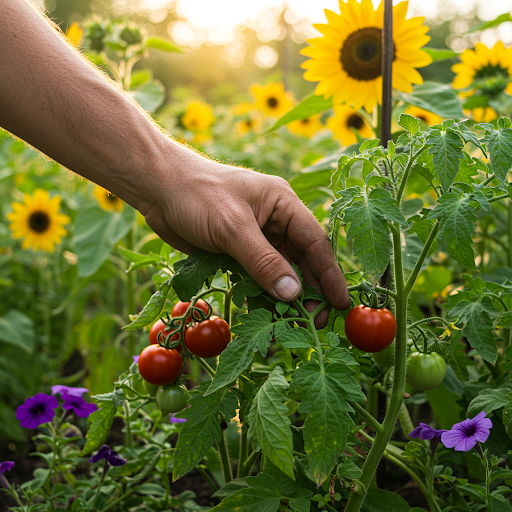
[(160, 327), (180, 308), (172, 398), (208, 338), (150, 388), (370, 329), (425, 371), (159, 365), (385, 357)]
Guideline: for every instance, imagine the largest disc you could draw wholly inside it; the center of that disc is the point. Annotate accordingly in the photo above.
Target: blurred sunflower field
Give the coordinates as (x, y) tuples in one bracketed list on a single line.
[(297, 94)]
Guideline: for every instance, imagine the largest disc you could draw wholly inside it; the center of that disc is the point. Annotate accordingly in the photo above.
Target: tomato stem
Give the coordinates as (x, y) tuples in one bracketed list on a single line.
[(206, 366), (367, 416), (222, 448)]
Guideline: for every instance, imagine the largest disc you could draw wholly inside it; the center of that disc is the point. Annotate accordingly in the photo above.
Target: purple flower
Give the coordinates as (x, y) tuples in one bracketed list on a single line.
[(425, 432), (78, 405), (464, 435), (37, 410), (6, 466), (135, 359), (177, 420), (111, 456), (65, 390)]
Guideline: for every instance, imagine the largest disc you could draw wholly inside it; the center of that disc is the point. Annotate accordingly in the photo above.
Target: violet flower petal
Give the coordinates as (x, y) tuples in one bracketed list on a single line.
[(6, 466), (37, 410), (66, 390), (78, 405)]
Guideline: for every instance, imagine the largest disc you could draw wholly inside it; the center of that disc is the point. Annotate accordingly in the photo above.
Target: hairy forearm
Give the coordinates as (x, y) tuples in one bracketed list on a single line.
[(54, 99)]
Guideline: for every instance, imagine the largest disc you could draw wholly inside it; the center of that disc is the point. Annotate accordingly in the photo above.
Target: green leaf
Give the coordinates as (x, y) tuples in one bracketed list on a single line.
[(18, 329), (247, 287), (232, 362), (161, 43), (446, 150), (295, 338), (203, 428), (100, 423), (478, 326), (438, 54), (251, 499), (140, 77), (422, 228), (150, 95), (269, 422), (489, 400), (153, 308), (192, 272), (349, 470), (324, 396), (409, 123), (502, 18), (457, 227), (479, 101), (499, 145), (256, 328), (302, 501), (308, 106), (138, 260), (437, 98), (379, 500), (501, 506), (96, 234), (507, 416)]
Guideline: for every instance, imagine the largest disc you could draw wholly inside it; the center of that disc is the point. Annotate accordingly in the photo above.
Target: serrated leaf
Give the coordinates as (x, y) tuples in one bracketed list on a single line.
[(324, 396), (247, 287), (338, 206), (269, 422), (368, 144), (383, 202), (446, 150), (499, 145), (339, 177), (380, 500), (480, 198), (376, 180), (251, 499), (505, 322), (100, 423), (409, 123), (295, 338), (153, 308), (203, 428), (256, 328), (349, 470), (302, 501), (192, 272), (457, 227), (478, 326), (232, 362), (282, 308), (489, 400), (437, 98), (422, 228)]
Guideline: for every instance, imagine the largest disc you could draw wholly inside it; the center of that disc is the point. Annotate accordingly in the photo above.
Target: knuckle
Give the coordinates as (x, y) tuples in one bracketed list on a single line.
[(267, 264)]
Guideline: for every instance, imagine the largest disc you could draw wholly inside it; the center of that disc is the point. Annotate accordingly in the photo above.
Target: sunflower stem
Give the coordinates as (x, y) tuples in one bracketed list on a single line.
[(387, 73)]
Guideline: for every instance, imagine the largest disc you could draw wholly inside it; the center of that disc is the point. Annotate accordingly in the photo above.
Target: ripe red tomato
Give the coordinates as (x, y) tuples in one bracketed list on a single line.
[(208, 338), (159, 365), (180, 309), (369, 329), (425, 371), (159, 326)]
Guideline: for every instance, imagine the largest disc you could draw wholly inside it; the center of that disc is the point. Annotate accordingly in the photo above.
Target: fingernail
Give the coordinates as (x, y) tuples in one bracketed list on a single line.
[(287, 288)]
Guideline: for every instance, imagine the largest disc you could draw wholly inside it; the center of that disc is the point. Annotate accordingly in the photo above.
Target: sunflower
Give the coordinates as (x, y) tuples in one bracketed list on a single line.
[(344, 122), (423, 115), (346, 61), (272, 99), (482, 114), (107, 200), (487, 70), (37, 220), (306, 127), (198, 116), (74, 34), (248, 124)]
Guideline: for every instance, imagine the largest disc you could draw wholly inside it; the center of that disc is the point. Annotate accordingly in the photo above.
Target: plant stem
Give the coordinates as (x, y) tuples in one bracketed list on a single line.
[(405, 421), (206, 366), (100, 483), (367, 416), (222, 448), (249, 463), (428, 319), (207, 477), (243, 451), (412, 159), (126, 407)]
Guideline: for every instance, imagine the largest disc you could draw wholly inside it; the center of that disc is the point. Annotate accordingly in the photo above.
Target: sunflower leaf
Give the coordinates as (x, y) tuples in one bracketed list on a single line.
[(438, 54)]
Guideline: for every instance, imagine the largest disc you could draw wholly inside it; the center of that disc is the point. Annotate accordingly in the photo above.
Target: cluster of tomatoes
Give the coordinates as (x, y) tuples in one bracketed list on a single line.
[(374, 329), (160, 367)]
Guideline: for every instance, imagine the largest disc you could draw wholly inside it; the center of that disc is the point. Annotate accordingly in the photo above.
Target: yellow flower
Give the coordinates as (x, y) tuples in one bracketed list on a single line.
[(343, 122), (243, 108), (74, 34), (482, 114), (489, 70), (249, 124), (346, 61), (107, 200), (306, 127), (423, 115), (37, 220), (272, 99), (198, 116), (448, 331)]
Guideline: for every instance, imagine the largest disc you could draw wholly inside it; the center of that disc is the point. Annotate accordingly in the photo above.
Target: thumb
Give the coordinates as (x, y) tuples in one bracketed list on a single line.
[(265, 264)]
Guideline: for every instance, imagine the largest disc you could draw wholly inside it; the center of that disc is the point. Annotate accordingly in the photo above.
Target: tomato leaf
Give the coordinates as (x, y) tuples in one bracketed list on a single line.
[(269, 422), (203, 428), (499, 145), (295, 338), (192, 272), (100, 423), (379, 500), (507, 415), (324, 396), (256, 328), (153, 308), (409, 123), (457, 227), (478, 325), (489, 400), (247, 287)]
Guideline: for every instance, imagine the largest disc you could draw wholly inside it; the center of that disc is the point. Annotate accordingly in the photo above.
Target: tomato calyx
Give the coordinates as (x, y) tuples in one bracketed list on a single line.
[(426, 349), (369, 298)]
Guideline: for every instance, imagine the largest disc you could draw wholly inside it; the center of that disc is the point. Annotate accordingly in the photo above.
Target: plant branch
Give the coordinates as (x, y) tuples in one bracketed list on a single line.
[(366, 416)]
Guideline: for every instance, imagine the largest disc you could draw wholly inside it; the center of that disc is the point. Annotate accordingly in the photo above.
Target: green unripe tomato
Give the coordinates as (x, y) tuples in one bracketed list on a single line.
[(425, 371), (385, 357), (150, 388), (172, 398), (292, 405)]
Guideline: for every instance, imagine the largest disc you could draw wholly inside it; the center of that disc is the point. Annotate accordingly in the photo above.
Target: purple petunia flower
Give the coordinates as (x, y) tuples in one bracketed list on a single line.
[(464, 435), (66, 390), (111, 456), (6, 466), (425, 432), (135, 359), (78, 405), (37, 410), (177, 420)]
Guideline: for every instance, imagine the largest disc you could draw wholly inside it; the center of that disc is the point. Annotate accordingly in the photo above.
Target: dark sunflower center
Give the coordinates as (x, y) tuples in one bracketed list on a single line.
[(37, 409), (491, 71), (111, 198), (491, 80), (422, 118), (39, 221), (354, 121), (249, 123), (305, 121), (361, 55), (272, 102)]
